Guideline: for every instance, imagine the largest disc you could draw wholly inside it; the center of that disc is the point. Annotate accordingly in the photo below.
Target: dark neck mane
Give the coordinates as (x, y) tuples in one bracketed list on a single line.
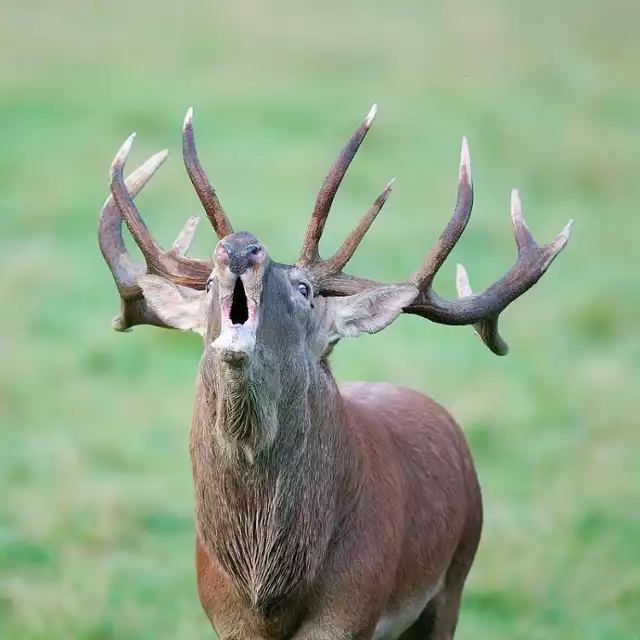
[(268, 468)]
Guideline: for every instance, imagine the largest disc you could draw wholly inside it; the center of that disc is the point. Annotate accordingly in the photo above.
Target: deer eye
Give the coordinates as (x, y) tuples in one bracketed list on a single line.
[(304, 289)]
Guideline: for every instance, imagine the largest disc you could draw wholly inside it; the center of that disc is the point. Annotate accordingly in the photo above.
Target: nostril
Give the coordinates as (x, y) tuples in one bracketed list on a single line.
[(254, 253), (239, 255)]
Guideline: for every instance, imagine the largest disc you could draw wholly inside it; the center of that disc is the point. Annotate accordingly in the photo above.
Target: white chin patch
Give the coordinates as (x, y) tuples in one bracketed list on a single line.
[(235, 341)]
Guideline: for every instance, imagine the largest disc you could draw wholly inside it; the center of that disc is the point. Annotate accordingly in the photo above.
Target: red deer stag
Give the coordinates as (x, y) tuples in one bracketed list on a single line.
[(322, 512)]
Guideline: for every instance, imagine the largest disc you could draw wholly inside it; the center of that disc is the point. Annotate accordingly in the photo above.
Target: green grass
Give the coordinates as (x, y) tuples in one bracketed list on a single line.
[(96, 529)]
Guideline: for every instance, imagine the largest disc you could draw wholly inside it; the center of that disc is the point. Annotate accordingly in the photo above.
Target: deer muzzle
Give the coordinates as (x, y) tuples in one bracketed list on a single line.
[(238, 322), (240, 260)]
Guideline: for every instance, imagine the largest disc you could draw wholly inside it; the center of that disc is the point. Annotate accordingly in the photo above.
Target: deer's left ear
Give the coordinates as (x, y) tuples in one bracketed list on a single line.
[(369, 311), (179, 307)]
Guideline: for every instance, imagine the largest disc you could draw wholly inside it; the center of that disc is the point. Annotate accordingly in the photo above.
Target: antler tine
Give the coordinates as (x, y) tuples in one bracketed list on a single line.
[(206, 193), (172, 264), (342, 256), (525, 240), (125, 203), (184, 239), (424, 276), (309, 252), (521, 232), (124, 270), (487, 328)]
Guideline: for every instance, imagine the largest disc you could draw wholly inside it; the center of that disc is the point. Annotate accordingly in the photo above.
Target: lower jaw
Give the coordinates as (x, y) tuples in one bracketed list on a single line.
[(235, 344), (233, 359)]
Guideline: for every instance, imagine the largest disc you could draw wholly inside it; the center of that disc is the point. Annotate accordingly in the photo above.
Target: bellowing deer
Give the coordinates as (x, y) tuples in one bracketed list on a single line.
[(322, 512)]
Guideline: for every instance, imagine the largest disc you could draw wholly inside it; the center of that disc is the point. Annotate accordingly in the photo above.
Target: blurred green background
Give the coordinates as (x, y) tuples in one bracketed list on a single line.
[(96, 527)]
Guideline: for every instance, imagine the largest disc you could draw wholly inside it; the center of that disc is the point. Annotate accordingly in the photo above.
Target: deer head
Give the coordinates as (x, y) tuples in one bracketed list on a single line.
[(243, 303)]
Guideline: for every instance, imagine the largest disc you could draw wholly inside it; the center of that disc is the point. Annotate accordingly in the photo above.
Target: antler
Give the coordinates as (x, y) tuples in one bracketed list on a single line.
[(309, 255), (200, 183), (480, 310), (172, 264)]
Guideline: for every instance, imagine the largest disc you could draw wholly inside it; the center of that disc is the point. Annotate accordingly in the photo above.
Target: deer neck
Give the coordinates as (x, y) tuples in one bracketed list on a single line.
[(244, 407), (270, 457)]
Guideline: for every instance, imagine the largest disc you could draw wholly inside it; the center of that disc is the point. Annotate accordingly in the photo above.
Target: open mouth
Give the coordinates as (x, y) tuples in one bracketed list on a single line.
[(238, 331), (238, 310)]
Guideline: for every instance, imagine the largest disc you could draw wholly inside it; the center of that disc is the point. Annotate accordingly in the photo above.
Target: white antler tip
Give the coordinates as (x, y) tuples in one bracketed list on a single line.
[(189, 117), (140, 176), (126, 147), (371, 115), (563, 237), (158, 158), (185, 237), (465, 160), (516, 205), (566, 232), (121, 156), (390, 184), (462, 282)]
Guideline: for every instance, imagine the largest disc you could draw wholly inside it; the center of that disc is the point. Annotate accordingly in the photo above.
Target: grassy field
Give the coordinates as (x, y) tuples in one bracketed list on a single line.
[(96, 528)]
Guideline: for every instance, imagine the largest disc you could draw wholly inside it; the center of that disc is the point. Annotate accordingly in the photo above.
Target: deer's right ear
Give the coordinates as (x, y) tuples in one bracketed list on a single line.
[(179, 307)]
